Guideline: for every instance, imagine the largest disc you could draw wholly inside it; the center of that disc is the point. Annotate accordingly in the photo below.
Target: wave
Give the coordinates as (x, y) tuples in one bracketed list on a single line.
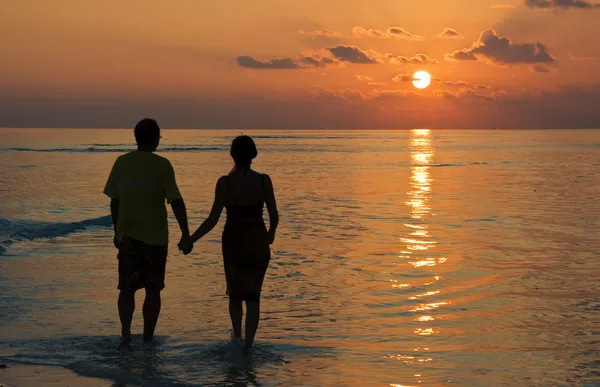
[(19, 230), (446, 165), (318, 137), (457, 164), (122, 144), (113, 150), (190, 149)]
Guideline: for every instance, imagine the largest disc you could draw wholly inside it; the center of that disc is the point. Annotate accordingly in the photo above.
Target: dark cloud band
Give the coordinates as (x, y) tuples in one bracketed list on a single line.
[(580, 4), (501, 50)]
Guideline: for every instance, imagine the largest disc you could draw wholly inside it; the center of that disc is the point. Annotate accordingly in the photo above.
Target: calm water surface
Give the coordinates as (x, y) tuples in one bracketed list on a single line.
[(403, 258)]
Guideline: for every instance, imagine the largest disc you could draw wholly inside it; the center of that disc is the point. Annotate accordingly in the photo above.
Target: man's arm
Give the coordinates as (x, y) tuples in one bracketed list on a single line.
[(112, 191), (174, 197), (114, 213), (178, 206)]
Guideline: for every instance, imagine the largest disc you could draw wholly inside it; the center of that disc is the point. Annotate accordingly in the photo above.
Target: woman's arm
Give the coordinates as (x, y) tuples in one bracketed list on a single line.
[(215, 212), (271, 207)]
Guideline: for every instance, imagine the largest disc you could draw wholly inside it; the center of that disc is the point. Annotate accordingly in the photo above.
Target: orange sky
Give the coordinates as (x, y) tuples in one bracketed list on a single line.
[(289, 64)]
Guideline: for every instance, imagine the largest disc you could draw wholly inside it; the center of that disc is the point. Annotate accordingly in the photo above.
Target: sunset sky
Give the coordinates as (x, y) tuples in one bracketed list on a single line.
[(300, 64)]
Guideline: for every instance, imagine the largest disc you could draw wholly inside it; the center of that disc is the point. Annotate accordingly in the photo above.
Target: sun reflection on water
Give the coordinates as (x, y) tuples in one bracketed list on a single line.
[(425, 331), (424, 307), (421, 155), (419, 242), (418, 246)]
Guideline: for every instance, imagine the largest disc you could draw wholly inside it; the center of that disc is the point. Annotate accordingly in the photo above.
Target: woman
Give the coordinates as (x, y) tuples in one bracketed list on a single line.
[(246, 241)]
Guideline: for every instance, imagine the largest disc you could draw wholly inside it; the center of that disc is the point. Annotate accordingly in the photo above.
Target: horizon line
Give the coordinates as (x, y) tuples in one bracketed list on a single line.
[(294, 129)]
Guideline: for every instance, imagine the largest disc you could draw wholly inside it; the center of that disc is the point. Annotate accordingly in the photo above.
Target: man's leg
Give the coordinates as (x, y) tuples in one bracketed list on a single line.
[(126, 306), (151, 311), (154, 266), (129, 282)]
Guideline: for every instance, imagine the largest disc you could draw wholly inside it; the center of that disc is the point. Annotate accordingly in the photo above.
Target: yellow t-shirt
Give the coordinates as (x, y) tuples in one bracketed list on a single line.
[(141, 181)]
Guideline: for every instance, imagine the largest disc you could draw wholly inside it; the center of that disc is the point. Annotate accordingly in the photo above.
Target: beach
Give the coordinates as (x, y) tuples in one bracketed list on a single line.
[(403, 258)]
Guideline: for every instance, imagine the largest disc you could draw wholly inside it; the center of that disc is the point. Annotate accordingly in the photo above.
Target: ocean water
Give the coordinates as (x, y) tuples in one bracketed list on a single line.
[(403, 258)]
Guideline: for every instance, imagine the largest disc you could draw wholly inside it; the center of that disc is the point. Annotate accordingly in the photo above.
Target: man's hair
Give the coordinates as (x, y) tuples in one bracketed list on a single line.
[(146, 132)]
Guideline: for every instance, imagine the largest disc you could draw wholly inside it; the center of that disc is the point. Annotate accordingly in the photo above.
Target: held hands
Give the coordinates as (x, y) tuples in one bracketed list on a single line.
[(186, 244)]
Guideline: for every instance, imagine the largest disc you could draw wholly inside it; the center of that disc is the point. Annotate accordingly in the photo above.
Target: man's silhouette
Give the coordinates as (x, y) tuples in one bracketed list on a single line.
[(138, 185)]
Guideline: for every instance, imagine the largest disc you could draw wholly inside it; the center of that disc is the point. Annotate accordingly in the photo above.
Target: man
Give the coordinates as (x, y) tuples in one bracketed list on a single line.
[(138, 185)]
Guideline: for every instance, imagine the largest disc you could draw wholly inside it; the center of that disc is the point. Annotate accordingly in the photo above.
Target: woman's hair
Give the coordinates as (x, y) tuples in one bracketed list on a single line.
[(243, 151)]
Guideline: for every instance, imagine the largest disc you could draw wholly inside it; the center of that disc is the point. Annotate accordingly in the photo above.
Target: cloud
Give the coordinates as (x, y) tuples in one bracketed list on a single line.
[(317, 61), (392, 94), (580, 56), (450, 33), (353, 54), (461, 55), (283, 63), (557, 107), (327, 34), (340, 53), (540, 69), (457, 83), (361, 32), (465, 84), (392, 32), (564, 4), (346, 95), (466, 94), (401, 33), (406, 77), (500, 50), (303, 62), (419, 59), (369, 80), (462, 86)]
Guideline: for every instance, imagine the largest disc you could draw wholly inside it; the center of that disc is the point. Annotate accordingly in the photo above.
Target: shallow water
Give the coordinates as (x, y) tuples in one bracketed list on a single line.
[(403, 258)]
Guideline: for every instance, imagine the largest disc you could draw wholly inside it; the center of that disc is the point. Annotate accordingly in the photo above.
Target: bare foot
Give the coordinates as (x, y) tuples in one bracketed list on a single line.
[(237, 340), (247, 349), (125, 343)]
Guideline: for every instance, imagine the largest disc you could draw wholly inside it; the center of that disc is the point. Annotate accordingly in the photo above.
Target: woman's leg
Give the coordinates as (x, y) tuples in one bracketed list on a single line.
[(236, 312), (228, 266), (252, 319), (253, 307)]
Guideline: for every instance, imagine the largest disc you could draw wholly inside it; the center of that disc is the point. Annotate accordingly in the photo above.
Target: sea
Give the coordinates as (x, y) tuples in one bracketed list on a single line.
[(403, 258)]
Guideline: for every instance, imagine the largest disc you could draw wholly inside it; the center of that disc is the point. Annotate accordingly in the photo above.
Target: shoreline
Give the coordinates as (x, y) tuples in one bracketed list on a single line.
[(20, 375)]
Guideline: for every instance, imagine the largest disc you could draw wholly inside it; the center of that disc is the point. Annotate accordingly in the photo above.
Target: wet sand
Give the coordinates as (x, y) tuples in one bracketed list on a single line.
[(35, 376)]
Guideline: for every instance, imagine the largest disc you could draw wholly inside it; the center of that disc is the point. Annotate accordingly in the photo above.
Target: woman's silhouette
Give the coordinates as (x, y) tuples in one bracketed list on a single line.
[(246, 241)]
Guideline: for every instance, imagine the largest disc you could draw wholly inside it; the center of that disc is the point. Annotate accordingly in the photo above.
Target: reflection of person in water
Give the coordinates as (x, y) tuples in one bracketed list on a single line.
[(236, 376), (246, 241)]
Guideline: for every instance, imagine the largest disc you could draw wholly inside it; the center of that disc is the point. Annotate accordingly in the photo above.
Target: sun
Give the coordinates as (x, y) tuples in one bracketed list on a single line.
[(421, 79)]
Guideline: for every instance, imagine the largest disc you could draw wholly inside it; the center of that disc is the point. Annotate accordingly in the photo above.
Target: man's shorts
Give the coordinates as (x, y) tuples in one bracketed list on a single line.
[(141, 265)]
